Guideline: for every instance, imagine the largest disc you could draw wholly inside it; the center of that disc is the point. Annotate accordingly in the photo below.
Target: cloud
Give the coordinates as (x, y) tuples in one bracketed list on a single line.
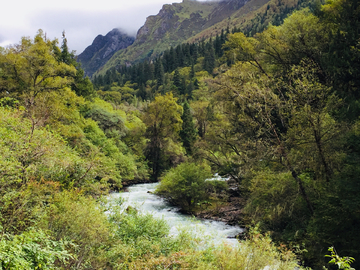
[(82, 27), (81, 20)]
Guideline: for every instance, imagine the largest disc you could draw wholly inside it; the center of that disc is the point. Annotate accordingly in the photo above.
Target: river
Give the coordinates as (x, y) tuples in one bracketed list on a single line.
[(140, 196)]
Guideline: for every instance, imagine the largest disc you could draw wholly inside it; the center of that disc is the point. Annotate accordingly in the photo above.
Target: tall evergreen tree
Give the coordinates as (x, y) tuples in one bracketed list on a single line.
[(142, 92), (188, 133), (159, 73), (81, 85), (192, 72), (209, 57), (178, 82), (173, 61)]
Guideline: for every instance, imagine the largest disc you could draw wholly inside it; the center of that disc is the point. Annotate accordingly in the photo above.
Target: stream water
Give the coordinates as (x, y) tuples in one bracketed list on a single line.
[(140, 196)]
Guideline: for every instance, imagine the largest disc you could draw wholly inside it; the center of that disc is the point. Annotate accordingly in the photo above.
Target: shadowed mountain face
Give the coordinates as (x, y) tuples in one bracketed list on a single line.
[(102, 49)]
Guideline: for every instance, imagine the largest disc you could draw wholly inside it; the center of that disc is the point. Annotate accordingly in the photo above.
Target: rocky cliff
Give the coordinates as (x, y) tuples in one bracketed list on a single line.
[(102, 49)]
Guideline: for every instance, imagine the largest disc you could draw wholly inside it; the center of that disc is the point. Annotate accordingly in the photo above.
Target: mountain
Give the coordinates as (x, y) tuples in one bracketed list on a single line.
[(174, 24), (102, 49), (191, 21)]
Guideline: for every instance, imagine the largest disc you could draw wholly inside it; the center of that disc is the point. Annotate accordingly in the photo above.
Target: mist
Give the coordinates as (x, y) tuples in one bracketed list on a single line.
[(82, 21)]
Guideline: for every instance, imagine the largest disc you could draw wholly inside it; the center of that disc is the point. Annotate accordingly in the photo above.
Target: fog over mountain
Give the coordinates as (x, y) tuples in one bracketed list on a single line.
[(81, 20)]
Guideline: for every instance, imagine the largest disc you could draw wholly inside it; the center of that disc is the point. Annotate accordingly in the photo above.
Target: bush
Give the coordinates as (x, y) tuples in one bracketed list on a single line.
[(32, 250), (74, 216), (138, 238), (185, 185)]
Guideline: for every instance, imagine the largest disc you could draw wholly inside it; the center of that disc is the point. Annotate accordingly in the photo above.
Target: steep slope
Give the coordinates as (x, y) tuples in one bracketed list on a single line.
[(102, 49), (254, 17), (192, 21), (173, 25)]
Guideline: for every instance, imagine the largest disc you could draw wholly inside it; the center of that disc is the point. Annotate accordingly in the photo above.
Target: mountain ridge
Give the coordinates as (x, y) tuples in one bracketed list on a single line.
[(174, 24), (191, 21), (102, 49)]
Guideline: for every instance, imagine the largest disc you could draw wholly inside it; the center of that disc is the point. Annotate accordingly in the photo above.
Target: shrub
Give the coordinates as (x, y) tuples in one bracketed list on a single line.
[(185, 185), (32, 250), (74, 216)]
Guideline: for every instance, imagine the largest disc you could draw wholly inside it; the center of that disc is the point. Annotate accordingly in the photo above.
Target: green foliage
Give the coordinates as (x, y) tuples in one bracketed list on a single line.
[(275, 202), (33, 153), (109, 121), (188, 132), (257, 252), (8, 102), (163, 123), (280, 128), (185, 185), (341, 262), (132, 226), (33, 250), (110, 96), (81, 85), (281, 119), (29, 152), (138, 238), (31, 68), (82, 220)]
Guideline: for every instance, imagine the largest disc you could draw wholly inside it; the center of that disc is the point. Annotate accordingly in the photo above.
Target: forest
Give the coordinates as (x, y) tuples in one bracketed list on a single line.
[(276, 111)]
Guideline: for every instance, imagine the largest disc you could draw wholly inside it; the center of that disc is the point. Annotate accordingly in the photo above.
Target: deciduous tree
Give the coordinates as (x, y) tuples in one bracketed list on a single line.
[(163, 122)]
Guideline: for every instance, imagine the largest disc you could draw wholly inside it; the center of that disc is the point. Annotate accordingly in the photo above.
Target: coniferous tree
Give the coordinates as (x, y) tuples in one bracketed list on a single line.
[(209, 57), (173, 61), (192, 72), (217, 46), (194, 53), (179, 56), (177, 81), (81, 84), (186, 53), (142, 92), (188, 133), (159, 73), (190, 89)]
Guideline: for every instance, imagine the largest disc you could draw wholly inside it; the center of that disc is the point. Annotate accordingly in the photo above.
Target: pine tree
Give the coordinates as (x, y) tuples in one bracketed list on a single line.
[(159, 73), (142, 92), (192, 72), (81, 85), (173, 61), (209, 57), (188, 133), (177, 81)]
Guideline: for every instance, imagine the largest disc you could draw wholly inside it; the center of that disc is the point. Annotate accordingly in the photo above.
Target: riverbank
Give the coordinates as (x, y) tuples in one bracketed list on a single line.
[(142, 197), (126, 184), (229, 212)]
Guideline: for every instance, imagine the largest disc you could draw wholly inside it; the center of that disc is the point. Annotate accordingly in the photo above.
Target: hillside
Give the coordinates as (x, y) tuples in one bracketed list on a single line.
[(274, 109), (173, 25), (192, 21), (102, 49)]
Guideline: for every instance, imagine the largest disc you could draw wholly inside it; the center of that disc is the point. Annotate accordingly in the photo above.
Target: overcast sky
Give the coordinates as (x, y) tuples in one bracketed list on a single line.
[(82, 20)]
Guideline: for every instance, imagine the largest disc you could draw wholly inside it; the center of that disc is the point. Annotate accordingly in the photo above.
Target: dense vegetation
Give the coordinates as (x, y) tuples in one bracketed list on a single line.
[(62, 149), (277, 111)]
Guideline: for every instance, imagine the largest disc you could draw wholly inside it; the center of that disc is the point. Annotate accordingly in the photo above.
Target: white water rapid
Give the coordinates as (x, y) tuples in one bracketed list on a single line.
[(140, 196)]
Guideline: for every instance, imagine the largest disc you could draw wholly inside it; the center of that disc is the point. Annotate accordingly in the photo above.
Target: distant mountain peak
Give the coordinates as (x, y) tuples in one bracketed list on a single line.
[(188, 21), (102, 49)]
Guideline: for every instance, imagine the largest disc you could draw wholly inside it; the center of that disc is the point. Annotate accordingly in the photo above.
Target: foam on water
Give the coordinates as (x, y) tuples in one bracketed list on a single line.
[(140, 196)]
